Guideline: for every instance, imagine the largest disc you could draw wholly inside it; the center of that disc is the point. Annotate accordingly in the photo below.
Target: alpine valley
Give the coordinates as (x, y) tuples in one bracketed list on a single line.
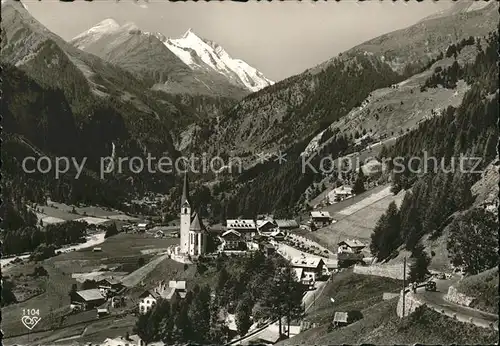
[(324, 192)]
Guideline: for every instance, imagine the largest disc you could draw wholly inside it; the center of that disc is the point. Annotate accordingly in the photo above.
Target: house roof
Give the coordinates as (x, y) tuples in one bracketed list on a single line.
[(340, 316), (148, 293), (320, 214), (196, 224), (277, 233), (179, 285), (262, 223), (231, 231), (343, 190), (307, 262), (110, 280), (167, 293), (353, 243), (287, 223), (90, 295), (241, 224)]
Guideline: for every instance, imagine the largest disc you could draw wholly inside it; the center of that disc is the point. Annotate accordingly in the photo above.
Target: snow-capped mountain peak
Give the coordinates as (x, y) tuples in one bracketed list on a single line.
[(199, 53), (96, 32)]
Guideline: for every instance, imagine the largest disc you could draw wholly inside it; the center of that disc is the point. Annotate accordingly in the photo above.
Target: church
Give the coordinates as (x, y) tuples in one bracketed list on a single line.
[(193, 234)]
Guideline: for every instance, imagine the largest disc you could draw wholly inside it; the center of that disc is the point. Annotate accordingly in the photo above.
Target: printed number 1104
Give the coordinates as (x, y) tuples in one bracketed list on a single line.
[(31, 312)]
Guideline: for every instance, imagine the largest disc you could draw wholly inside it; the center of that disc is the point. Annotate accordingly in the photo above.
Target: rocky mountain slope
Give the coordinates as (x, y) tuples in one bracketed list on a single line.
[(106, 106), (364, 86), (272, 117), (408, 49), (186, 65)]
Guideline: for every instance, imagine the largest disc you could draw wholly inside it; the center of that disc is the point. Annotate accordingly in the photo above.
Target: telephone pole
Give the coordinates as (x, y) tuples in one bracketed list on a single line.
[(289, 298), (404, 284)]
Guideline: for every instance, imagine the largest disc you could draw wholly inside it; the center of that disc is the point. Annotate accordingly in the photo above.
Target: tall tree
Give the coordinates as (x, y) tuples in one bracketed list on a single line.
[(359, 184), (244, 314), (473, 241), (419, 268), (386, 235)]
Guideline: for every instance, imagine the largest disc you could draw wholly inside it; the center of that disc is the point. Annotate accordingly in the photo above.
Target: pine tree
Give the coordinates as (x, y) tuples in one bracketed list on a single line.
[(419, 268), (359, 184), (199, 314), (386, 234), (243, 314)]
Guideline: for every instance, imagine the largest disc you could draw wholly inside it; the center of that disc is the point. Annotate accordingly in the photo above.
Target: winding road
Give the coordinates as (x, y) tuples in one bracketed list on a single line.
[(436, 300)]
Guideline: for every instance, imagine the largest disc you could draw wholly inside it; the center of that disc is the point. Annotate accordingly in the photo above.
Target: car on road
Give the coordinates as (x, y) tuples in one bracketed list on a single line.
[(431, 286)]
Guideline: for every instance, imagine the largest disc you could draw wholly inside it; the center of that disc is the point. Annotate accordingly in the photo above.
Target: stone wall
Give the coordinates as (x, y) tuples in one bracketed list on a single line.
[(458, 298), (389, 271), (411, 304), (389, 296)]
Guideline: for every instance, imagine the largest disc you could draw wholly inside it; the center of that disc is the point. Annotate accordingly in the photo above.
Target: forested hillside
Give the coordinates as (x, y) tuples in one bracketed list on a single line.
[(441, 186)]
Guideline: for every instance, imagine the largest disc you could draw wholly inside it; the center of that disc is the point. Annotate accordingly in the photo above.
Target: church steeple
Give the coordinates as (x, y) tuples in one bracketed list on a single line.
[(185, 192)]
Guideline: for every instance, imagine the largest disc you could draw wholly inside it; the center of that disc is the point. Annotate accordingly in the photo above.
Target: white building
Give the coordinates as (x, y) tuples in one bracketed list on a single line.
[(339, 194), (246, 227), (231, 240), (321, 217), (308, 269), (162, 291), (350, 246), (193, 235)]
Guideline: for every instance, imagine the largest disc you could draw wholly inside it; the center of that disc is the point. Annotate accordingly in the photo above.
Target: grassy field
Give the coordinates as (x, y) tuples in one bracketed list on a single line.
[(55, 212), (122, 251), (359, 224), (351, 292), (483, 287)]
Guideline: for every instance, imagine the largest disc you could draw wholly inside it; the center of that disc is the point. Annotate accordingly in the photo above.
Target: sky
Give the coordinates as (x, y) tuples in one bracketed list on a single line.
[(279, 38)]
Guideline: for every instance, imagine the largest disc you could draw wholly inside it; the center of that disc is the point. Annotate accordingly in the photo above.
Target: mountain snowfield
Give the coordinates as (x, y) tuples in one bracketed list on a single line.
[(202, 54), (195, 52)]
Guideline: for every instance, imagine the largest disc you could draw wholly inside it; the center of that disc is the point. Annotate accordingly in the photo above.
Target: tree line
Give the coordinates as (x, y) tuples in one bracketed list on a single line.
[(252, 288), (443, 189)]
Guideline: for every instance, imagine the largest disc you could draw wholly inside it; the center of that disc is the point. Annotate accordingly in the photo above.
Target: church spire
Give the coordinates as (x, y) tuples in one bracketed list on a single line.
[(185, 191)]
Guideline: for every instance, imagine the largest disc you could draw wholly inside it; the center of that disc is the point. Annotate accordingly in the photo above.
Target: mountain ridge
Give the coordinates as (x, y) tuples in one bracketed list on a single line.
[(200, 66)]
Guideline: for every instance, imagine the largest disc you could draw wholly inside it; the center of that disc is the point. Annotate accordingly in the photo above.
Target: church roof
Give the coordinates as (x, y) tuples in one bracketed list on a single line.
[(196, 223), (185, 191)]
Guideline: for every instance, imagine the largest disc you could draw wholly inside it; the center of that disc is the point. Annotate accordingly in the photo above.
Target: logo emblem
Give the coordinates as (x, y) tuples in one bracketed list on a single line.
[(30, 321)]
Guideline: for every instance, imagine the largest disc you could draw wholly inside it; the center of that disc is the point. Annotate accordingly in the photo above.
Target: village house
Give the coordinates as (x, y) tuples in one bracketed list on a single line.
[(350, 250), (110, 286), (132, 340), (102, 312), (308, 269), (267, 249), (89, 299), (266, 226), (150, 297), (339, 194), (343, 318), (340, 319), (231, 240), (247, 228), (179, 286), (142, 226), (321, 218), (278, 235), (350, 246), (287, 224)]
